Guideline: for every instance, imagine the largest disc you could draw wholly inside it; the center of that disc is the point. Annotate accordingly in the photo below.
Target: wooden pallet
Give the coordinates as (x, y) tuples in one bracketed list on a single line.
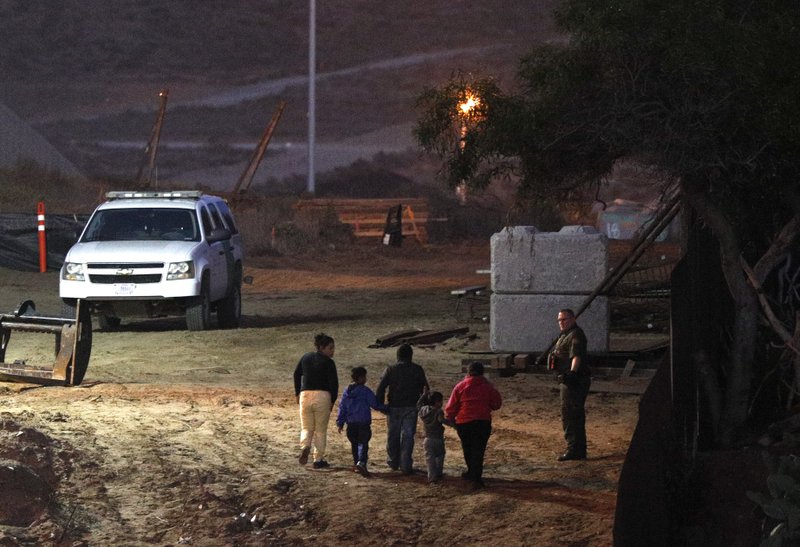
[(367, 217)]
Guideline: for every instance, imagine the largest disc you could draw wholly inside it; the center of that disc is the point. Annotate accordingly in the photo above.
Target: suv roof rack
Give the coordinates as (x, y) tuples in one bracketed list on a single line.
[(123, 194)]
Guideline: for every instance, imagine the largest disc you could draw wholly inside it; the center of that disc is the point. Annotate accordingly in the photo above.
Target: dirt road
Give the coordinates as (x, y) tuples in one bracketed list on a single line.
[(191, 438)]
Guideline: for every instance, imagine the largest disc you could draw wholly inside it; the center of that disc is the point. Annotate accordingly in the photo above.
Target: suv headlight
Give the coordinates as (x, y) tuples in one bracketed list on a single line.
[(180, 270), (72, 271)]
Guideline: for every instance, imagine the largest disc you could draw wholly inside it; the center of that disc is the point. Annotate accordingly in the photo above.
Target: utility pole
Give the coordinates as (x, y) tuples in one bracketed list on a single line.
[(312, 80)]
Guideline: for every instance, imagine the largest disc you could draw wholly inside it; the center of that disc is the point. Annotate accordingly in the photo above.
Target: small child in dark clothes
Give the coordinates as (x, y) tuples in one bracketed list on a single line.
[(355, 411), (432, 416)]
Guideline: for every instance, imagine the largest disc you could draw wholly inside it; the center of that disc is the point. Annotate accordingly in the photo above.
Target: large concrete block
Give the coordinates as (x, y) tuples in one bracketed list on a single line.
[(525, 260), (526, 323)]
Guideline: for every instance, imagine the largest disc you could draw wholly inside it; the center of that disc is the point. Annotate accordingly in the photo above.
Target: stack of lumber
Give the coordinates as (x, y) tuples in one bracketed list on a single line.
[(367, 217)]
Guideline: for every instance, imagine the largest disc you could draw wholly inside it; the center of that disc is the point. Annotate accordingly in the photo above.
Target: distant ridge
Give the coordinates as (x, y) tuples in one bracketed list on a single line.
[(19, 142)]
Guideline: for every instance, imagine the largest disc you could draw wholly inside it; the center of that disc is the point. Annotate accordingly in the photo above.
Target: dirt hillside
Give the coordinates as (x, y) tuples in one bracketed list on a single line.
[(87, 75)]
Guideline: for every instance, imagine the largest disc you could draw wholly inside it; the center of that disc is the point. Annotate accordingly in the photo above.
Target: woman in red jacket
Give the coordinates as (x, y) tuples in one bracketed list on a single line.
[(470, 406)]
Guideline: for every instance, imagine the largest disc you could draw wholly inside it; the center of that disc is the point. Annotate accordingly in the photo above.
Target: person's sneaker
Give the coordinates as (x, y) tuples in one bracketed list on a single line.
[(568, 456), (466, 476), (321, 464), (361, 469), (478, 485), (303, 459), (407, 471)]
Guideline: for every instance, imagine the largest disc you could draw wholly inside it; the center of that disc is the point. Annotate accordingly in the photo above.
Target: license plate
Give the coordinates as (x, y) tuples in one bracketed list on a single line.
[(122, 289)]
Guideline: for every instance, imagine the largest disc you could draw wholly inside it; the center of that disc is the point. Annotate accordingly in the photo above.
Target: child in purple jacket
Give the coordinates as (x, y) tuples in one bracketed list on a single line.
[(355, 410)]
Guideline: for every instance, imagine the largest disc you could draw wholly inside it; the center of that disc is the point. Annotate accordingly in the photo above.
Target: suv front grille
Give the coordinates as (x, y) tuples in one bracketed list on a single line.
[(110, 279), (137, 265)]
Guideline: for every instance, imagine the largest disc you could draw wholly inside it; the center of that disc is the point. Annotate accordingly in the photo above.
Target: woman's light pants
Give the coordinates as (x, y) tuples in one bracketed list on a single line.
[(315, 412)]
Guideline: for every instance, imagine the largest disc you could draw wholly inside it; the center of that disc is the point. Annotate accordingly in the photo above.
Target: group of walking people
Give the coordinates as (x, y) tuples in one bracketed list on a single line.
[(405, 397)]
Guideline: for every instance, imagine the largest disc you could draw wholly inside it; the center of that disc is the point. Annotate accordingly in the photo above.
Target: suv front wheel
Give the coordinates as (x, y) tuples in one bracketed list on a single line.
[(198, 310), (229, 309)]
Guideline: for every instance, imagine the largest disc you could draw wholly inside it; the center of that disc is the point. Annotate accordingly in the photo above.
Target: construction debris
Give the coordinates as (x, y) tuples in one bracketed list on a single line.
[(394, 338), (417, 337), (73, 345)]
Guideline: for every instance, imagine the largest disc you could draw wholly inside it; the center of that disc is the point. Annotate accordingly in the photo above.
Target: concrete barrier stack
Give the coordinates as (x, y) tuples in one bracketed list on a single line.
[(534, 275)]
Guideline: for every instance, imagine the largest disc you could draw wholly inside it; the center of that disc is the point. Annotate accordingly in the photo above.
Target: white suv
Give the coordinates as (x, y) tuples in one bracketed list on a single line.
[(157, 253)]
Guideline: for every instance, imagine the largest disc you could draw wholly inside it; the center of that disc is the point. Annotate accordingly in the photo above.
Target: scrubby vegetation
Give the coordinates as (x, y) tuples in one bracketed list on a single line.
[(27, 183)]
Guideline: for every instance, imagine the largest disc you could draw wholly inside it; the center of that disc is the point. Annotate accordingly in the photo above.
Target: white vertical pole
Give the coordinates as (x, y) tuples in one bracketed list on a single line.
[(312, 77)]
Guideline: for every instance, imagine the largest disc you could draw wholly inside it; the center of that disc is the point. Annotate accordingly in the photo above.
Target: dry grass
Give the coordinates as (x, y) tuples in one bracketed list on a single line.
[(23, 186)]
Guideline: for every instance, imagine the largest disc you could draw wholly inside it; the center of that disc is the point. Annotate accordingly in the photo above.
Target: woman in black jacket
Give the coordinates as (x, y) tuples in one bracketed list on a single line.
[(316, 385)]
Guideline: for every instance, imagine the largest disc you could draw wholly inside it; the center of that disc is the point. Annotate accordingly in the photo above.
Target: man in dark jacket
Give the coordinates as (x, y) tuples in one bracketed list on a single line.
[(568, 359), (405, 381)]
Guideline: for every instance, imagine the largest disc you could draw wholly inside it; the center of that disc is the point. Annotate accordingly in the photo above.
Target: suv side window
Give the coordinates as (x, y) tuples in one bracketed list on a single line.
[(215, 215), (226, 214), (206, 220)]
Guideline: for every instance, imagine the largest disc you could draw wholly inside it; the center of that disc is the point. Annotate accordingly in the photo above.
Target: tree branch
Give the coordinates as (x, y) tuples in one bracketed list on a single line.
[(774, 322), (783, 243)]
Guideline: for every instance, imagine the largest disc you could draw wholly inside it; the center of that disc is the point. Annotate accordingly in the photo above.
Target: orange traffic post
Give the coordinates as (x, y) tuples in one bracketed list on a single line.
[(42, 237)]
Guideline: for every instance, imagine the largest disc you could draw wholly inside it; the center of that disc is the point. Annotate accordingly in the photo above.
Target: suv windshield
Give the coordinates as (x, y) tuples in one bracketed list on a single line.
[(155, 224)]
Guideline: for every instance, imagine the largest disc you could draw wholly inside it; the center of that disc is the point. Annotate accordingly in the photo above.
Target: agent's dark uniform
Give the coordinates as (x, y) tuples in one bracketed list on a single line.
[(574, 388)]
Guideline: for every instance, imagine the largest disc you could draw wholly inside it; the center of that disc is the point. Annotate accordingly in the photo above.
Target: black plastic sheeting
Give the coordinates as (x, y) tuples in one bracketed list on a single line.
[(19, 239)]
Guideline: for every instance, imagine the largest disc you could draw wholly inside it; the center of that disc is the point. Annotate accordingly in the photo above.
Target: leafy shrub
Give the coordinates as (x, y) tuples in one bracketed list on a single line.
[(781, 505)]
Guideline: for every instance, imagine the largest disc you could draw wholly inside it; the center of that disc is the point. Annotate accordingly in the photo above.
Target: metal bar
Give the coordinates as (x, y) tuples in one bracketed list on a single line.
[(32, 327), (246, 177), (145, 174), (6, 319), (645, 240)]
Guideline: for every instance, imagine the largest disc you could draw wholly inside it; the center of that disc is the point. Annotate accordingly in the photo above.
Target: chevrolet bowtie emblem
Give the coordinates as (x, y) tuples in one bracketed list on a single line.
[(125, 271)]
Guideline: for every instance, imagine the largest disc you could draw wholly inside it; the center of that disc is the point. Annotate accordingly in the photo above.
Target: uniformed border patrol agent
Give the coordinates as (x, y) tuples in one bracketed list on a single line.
[(568, 359)]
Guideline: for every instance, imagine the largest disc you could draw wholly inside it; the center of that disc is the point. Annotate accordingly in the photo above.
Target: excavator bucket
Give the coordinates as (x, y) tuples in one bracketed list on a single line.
[(73, 346)]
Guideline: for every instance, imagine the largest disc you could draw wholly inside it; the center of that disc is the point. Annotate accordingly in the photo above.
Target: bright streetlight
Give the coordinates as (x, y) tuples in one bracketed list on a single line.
[(469, 104), (465, 109)]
